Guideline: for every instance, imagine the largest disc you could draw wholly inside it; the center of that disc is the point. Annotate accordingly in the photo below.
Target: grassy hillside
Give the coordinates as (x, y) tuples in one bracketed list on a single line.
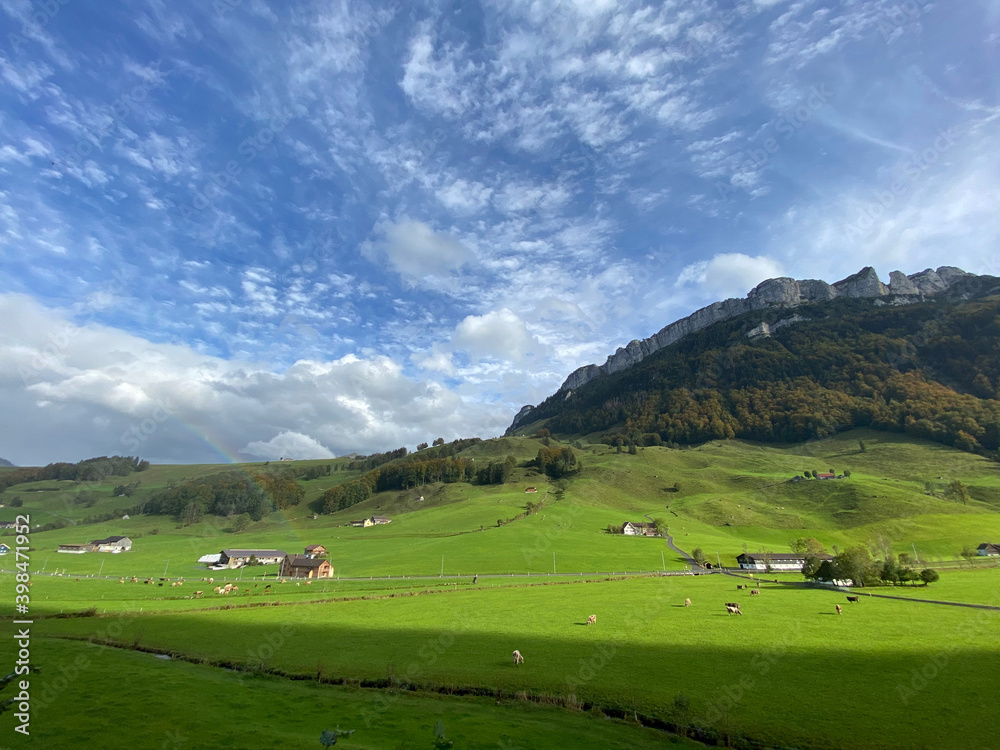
[(730, 495)]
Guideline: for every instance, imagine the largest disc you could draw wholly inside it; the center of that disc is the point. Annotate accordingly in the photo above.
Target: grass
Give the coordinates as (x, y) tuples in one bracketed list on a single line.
[(130, 699), (646, 649)]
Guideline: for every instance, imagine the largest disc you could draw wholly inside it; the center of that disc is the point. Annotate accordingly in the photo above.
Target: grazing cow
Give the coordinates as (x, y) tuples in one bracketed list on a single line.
[(740, 587), (838, 609), (267, 589), (211, 580), (592, 620), (245, 591), (309, 583), (518, 659), (754, 592), (198, 593), (856, 599), (121, 580), (475, 579), (733, 608), (687, 602)]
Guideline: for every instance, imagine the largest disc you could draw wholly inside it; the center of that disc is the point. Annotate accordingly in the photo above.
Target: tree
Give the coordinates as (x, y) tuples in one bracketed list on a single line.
[(847, 473), (421, 446), (811, 566), (959, 491), (807, 546), (928, 575), (698, 555), (241, 522), (253, 560), (16, 502), (618, 445), (861, 446), (968, 553), (856, 563), (438, 441), (814, 473), (631, 449), (661, 526), (904, 559)]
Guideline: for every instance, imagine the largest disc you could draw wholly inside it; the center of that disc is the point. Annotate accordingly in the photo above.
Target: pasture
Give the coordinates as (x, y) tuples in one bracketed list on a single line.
[(789, 671)]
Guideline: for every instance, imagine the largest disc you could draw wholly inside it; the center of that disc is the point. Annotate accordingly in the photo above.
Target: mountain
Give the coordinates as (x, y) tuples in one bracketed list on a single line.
[(796, 360), (5, 462)]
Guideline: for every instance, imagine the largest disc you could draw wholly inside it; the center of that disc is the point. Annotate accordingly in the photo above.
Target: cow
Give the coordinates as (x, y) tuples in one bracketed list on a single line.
[(687, 602), (592, 620), (754, 592), (518, 659), (740, 587), (856, 599), (211, 580), (475, 579), (733, 608), (267, 589), (121, 580), (838, 609), (198, 593)]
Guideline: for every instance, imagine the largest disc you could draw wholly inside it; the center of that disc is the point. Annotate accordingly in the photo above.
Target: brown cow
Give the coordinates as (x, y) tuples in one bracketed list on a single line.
[(754, 592), (838, 609), (856, 599), (198, 593)]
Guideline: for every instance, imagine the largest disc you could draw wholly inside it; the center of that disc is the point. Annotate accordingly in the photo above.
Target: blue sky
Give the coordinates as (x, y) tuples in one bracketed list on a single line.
[(232, 230)]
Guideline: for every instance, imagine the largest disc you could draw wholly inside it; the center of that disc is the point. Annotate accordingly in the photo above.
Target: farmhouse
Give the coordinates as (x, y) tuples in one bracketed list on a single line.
[(316, 550), (76, 549), (381, 519), (635, 528), (4, 549), (113, 544), (362, 522), (988, 550), (372, 521), (774, 561), (237, 558), (303, 566)]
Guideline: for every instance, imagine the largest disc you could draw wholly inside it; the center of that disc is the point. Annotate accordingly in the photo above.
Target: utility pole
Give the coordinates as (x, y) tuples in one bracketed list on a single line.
[(101, 569), (717, 558), (553, 563), (664, 561), (915, 552), (165, 569), (442, 566)]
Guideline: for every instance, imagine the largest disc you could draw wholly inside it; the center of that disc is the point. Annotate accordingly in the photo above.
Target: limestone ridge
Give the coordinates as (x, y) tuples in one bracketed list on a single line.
[(773, 293)]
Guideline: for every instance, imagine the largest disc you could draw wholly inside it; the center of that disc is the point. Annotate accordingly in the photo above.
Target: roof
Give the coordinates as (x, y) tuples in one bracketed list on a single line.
[(780, 557), (381, 518), (111, 540), (254, 552), (315, 546), (640, 524), (988, 545), (302, 561)]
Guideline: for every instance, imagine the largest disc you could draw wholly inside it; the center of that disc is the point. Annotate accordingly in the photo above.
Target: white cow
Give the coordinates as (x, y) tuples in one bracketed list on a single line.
[(518, 659)]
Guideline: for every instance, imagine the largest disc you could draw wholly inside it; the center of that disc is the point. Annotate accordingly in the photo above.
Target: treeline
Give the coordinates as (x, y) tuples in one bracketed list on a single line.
[(424, 453), (405, 475), (857, 565), (315, 472), (930, 370), (556, 462), (226, 494), (89, 470)]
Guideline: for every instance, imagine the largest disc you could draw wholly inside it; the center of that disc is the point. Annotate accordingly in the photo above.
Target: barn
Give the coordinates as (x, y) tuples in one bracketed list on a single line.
[(303, 566)]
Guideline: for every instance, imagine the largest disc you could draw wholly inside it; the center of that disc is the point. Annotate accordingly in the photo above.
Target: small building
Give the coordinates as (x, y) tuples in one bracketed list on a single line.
[(379, 520), (316, 550), (636, 528), (113, 544), (988, 550), (362, 522), (4, 549), (775, 561), (237, 558), (76, 549), (303, 566)]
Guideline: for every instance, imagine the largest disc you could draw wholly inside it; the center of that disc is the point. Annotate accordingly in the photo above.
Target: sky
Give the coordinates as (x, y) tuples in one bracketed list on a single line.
[(234, 230)]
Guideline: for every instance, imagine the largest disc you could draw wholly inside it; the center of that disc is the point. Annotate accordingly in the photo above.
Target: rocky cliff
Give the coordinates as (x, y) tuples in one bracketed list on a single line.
[(773, 293)]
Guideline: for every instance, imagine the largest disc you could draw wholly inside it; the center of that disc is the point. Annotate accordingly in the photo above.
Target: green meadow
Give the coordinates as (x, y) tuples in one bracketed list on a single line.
[(789, 671), (401, 621)]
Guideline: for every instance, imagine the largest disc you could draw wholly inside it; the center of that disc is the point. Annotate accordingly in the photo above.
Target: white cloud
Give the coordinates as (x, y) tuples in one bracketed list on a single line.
[(287, 445), (93, 390), (416, 251), (730, 274), (499, 335)]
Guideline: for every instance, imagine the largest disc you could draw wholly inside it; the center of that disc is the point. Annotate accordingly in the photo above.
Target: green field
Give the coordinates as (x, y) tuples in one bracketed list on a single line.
[(403, 616), (645, 651)]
